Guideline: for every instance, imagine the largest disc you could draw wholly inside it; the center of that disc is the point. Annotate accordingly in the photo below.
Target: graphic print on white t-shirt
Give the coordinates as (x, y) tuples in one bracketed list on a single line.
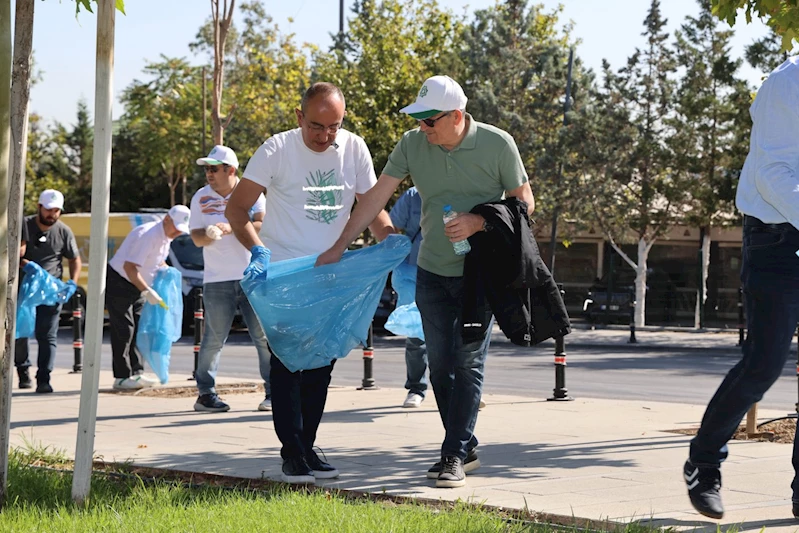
[(325, 196)]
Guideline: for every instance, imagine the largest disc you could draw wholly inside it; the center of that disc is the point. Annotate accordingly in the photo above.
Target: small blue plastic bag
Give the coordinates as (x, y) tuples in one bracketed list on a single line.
[(405, 319), (314, 315), (160, 326), (38, 288)]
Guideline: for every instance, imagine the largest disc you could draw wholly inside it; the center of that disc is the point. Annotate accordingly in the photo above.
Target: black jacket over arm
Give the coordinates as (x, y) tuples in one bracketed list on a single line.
[(505, 271)]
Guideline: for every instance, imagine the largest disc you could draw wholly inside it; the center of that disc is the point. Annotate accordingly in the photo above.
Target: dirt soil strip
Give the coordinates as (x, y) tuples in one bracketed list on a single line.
[(782, 431), (190, 391)]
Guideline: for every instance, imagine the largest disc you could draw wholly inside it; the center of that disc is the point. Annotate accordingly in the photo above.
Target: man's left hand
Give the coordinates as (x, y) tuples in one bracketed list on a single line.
[(225, 227), (463, 226)]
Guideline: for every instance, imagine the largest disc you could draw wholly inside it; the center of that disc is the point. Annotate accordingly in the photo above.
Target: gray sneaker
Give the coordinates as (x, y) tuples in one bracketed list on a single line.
[(471, 463), (452, 474)]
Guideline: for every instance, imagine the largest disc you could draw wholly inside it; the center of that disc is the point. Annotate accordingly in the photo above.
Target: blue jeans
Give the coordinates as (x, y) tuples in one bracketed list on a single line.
[(770, 277), (416, 366), (456, 369), (221, 300), (46, 330)]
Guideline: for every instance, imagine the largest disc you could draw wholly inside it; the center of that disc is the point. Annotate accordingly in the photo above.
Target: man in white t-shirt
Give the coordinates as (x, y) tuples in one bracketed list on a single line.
[(312, 176), (128, 285), (224, 260)]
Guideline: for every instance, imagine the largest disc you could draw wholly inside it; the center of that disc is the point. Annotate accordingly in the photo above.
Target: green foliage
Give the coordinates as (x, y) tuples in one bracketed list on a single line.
[(164, 116), (86, 4), (781, 16), (711, 124), (391, 47), (45, 169)]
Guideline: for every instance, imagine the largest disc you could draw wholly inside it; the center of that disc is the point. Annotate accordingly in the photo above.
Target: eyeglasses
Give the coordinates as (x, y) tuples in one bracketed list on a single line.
[(431, 122), (212, 169), (315, 126)]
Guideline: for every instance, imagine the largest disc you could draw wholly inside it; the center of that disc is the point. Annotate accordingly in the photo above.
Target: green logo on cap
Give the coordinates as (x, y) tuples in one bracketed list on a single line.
[(423, 91)]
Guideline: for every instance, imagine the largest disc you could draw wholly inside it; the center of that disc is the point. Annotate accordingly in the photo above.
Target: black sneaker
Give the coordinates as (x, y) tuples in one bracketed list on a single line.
[(703, 489), (296, 470), (321, 469), (471, 463), (210, 403), (24, 377), (44, 388), (796, 509), (452, 474)]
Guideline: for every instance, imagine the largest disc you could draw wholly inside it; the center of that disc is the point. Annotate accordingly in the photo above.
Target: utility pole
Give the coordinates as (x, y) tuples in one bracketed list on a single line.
[(556, 212), (205, 107), (340, 18)]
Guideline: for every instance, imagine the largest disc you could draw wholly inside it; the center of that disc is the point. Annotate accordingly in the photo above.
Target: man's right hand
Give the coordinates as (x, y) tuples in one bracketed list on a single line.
[(329, 257), (213, 232), (151, 296), (258, 261)]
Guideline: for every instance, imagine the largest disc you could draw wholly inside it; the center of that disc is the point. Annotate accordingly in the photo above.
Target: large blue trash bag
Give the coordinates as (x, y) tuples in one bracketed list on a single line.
[(405, 319), (314, 315), (159, 327), (38, 288)]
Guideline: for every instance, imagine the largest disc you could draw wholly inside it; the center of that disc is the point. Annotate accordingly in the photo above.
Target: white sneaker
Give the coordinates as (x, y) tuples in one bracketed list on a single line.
[(413, 400), (127, 384), (144, 380), (265, 405)]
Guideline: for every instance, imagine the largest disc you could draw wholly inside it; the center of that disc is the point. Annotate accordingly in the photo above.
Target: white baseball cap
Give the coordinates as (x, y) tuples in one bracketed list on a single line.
[(438, 94), (180, 217), (220, 155), (51, 198)]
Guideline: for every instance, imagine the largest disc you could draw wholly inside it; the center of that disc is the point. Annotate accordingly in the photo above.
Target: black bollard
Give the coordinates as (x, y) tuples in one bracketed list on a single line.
[(740, 316), (796, 406), (632, 318), (199, 318), (77, 333), (560, 392), (368, 382)]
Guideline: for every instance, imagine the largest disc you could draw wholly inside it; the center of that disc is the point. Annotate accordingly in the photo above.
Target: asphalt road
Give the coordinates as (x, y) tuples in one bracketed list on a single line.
[(623, 372)]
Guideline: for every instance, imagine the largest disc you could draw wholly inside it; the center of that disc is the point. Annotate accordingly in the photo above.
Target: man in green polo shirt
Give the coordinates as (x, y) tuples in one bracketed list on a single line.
[(457, 161)]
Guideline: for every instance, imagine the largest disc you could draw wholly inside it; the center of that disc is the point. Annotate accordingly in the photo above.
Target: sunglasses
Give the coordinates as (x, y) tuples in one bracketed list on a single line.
[(212, 169), (431, 122)]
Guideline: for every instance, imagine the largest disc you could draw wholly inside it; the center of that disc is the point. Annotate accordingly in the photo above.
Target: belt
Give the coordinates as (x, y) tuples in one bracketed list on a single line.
[(757, 223)]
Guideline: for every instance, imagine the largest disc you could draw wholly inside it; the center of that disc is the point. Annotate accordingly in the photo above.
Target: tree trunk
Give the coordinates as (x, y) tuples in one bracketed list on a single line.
[(11, 196), (701, 294), (221, 27), (640, 282)]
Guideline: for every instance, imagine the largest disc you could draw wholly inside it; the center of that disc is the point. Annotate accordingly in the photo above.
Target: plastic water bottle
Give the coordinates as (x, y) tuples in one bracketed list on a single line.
[(461, 247)]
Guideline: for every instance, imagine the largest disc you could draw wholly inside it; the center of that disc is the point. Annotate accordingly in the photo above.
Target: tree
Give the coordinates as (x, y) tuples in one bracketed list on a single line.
[(391, 47), (163, 118), (516, 57), (221, 27), (628, 181), (72, 159), (782, 17), (707, 140), (766, 53)]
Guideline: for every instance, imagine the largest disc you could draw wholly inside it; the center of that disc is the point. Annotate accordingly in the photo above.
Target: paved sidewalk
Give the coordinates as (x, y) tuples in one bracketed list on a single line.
[(596, 459)]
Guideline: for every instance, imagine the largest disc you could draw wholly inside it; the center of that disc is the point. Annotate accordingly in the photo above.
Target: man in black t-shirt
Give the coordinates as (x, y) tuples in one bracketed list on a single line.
[(45, 241)]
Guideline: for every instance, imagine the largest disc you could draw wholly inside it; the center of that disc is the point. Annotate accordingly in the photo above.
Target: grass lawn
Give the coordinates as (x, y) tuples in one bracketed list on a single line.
[(40, 501)]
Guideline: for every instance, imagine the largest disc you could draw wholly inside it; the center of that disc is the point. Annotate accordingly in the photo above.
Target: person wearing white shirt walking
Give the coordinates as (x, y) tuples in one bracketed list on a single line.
[(768, 197), (224, 260), (129, 284)]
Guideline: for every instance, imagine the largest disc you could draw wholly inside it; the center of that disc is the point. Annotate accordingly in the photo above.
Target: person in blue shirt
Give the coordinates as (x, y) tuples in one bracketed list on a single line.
[(406, 215)]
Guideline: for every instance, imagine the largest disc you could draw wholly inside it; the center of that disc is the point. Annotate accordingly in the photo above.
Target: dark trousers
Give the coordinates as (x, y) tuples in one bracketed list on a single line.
[(124, 303), (46, 330), (298, 402), (770, 277)]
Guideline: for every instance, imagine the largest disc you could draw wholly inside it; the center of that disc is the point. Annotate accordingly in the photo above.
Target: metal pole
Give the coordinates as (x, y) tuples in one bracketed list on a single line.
[(98, 246), (77, 333), (740, 316), (608, 298), (340, 18), (556, 211), (199, 321), (632, 318), (368, 382), (560, 392)]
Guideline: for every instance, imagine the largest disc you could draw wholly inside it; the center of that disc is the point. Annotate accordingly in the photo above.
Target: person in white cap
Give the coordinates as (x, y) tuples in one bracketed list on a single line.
[(225, 260), (45, 241), (454, 161), (128, 286)]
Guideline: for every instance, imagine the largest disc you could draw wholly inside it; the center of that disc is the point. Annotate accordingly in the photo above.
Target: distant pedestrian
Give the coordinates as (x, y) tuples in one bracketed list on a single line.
[(129, 284), (768, 197), (45, 241), (224, 260)]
